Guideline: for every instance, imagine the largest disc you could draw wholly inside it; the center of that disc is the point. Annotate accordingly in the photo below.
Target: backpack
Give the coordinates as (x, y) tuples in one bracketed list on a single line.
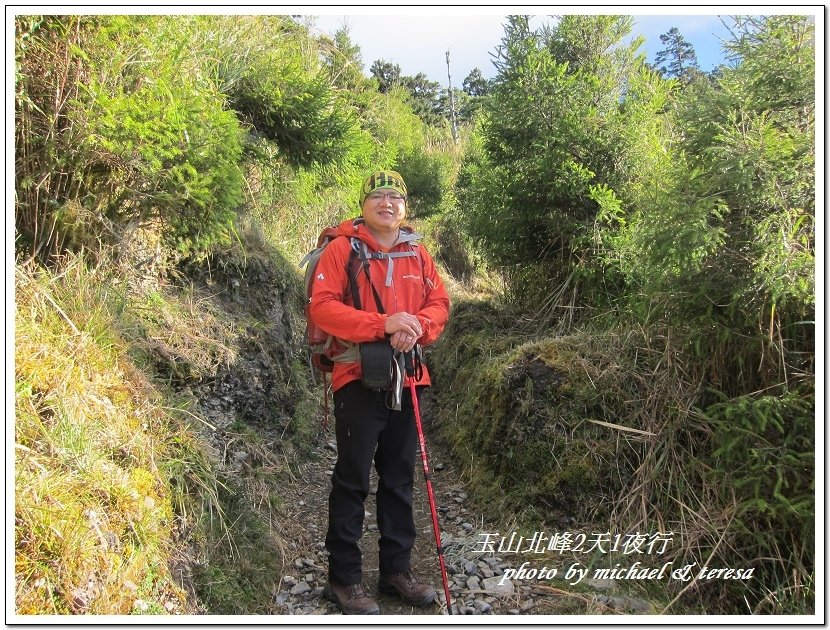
[(319, 341)]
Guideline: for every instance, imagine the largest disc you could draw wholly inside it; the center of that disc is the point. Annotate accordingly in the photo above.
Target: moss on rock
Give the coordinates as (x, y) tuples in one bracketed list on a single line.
[(520, 410)]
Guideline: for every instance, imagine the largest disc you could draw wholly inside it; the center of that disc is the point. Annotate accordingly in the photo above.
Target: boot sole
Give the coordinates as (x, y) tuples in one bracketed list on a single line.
[(329, 595), (387, 589)]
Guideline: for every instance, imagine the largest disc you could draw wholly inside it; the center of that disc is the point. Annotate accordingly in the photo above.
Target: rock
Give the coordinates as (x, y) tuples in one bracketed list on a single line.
[(600, 585), (289, 580), (460, 580), (527, 605), (300, 588), (639, 605), (474, 583), (482, 607), (494, 586), (470, 568)]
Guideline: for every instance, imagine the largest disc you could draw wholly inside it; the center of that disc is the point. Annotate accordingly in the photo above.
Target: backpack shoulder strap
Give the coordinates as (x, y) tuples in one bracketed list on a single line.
[(359, 250), (365, 255), (352, 269)]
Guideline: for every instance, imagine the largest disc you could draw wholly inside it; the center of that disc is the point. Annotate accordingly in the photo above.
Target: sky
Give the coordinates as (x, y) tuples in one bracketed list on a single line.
[(418, 39)]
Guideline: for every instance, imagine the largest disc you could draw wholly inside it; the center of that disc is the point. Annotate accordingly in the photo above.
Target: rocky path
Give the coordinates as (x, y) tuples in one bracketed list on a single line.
[(477, 582), (246, 408)]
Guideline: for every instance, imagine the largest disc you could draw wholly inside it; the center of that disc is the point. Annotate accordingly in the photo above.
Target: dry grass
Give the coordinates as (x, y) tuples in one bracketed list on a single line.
[(93, 510), (184, 331)]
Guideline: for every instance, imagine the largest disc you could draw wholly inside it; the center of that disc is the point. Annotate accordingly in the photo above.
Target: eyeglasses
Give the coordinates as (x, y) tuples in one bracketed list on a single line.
[(376, 196)]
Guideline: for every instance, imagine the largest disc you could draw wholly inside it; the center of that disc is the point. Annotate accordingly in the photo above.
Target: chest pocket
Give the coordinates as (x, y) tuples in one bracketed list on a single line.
[(416, 284)]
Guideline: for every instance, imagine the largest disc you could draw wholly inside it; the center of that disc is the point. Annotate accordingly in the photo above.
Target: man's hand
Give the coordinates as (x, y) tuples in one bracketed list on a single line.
[(405, 330), (402, 342)]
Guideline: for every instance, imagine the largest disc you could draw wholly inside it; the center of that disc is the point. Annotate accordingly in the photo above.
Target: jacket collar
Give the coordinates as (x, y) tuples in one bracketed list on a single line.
[(357, 228)]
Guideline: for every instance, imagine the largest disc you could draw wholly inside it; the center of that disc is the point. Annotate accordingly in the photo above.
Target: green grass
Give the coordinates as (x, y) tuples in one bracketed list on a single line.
[(93, 516), (114, 486)]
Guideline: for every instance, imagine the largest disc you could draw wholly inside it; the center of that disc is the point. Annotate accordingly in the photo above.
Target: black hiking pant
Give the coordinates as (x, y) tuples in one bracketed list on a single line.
[(368, 430)]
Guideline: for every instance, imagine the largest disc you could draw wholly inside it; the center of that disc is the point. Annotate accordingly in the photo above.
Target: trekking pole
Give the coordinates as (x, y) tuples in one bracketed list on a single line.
[(409, 364)]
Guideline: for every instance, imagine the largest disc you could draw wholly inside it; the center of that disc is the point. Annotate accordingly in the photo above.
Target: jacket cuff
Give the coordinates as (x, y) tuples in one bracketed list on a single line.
[(425, 324), (380, 327)]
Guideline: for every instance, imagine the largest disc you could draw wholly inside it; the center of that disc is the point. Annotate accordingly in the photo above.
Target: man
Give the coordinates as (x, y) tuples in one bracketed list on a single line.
[(376, 424)]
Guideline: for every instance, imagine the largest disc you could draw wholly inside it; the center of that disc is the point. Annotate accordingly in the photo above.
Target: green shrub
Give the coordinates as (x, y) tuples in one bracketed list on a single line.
[(146, 137), (267, 67), (429, 174), (763, 466)]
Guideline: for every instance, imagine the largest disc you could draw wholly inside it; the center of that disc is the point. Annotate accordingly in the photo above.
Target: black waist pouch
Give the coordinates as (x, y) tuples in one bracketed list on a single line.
[(376, 364)]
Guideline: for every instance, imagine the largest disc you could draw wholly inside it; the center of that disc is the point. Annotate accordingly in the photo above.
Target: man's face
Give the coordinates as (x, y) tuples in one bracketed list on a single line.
[(384, 210)]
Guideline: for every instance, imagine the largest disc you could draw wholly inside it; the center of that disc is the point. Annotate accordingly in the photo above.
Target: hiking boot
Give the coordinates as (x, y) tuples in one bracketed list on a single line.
[(407, 586), (351, 599)]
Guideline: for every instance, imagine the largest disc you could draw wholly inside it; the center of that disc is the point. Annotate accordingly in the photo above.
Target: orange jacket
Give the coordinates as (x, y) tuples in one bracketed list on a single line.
[(413, 286)]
